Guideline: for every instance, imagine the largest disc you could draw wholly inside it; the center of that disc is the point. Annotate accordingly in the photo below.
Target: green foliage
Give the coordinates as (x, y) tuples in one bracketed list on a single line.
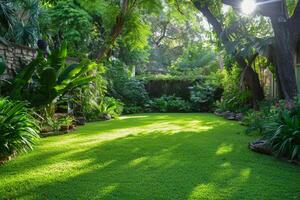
[(196, 57), (255, 120), (170, 104), (108, 106), (92, 94), (46, 79), (133, 109), (284, 131), (235, 98), (280, 125), (18, 129), (19, 21), (204, 95), (69, 21), (54, 124), (111, 106), (136, 32), (124, 87)]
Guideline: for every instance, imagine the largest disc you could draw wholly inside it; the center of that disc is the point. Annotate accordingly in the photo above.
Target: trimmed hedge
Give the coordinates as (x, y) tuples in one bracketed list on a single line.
[(169, 87)]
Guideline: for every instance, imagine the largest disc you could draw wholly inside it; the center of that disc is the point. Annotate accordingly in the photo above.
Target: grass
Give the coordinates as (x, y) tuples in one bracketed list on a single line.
[(150, 156)]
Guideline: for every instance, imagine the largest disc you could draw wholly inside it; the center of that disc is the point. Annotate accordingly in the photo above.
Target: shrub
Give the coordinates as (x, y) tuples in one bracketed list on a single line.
[(280, 125), (112, 107), (133, 92), (256, 120), (235, 98), (132, 109), (18, 129), (284, 132), (204, 95), (100, 110), (172, 86), (56, 123), (124, 87), (170, 104)]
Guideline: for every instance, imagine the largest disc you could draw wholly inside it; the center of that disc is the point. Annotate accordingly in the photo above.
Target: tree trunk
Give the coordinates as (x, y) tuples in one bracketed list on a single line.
[(115, 31), (287, 34), (251, 80), (284, 59)]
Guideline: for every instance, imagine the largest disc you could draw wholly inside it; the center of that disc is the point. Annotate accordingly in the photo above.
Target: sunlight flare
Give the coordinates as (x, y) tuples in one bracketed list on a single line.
[(248, 6)]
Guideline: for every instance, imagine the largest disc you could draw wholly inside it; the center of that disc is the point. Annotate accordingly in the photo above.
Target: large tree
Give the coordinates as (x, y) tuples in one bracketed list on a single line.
[(251, 78), (287, 38)]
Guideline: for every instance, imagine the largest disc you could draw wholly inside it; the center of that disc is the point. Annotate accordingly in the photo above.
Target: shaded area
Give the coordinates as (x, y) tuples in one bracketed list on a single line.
[(151, 156)]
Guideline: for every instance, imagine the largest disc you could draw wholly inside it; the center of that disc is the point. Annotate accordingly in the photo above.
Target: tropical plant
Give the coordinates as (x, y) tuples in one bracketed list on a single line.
[(18, 129), (284, 132), (19, 21), (110, 106), (43, 80), (55, 123), (105, 108)]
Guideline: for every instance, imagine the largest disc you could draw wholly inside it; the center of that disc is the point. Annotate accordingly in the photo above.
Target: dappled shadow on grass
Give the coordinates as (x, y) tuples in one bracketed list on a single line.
[(188, 158)]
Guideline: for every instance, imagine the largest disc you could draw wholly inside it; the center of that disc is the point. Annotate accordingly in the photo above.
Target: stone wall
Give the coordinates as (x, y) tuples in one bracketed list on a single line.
[(15, 57)]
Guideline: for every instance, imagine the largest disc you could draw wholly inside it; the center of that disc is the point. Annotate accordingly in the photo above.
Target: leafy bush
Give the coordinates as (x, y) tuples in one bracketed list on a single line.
[(133, 92), (256, 120), (235, 98), (284, 131), (43, 80), (280, 126), (55, 124), (204, 95), (107, 106), (124, 87), (170, 104), (18, 129), (132, 109)]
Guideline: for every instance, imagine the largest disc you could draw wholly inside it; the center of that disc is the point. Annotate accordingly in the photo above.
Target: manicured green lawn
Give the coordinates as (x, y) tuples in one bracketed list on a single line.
[(150, 156)]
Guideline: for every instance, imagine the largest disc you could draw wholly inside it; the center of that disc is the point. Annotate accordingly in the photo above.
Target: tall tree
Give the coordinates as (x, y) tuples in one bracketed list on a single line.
[(287, 38), (251, 78)]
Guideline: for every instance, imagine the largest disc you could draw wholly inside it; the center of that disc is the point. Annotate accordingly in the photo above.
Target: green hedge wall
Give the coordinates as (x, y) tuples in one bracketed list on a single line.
[(179, 88)]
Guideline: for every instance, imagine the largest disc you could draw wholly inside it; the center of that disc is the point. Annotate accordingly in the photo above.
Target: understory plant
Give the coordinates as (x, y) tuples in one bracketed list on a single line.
[(18, 129), (284, 132), (170, 104), (47, 78), (105, 108), (204, 95), (56, 124), (121, 85), (235, 97), (280, 126)]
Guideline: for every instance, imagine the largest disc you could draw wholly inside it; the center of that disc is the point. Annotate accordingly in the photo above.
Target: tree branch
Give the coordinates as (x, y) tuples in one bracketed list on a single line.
[(115, 31), (252, 59), (163, 35), (210, 17)]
